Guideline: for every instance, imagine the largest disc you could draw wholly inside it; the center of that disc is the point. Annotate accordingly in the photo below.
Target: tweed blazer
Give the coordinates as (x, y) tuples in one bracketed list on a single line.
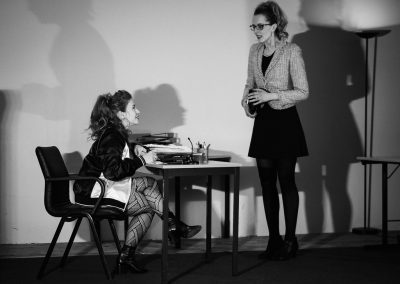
[(285, 75)]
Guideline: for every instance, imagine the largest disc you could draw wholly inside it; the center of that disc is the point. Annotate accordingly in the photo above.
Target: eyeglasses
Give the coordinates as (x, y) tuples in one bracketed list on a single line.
[(258, 27)]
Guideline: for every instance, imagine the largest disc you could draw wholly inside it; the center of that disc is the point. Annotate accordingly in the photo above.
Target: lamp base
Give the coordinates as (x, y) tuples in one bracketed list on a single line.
[(371, 33), (365, 231)]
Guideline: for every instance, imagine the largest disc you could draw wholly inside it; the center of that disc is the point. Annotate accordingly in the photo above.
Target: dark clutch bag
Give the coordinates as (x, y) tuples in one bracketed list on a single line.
[(254, 108)]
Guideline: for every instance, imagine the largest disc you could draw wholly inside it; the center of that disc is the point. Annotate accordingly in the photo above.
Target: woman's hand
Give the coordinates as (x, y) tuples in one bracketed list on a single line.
[(247, 111), (150, 157), (139, 150), (259, 96)]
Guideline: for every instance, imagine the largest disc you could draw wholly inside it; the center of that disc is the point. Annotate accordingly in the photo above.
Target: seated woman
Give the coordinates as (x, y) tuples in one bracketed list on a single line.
[(114, 160)]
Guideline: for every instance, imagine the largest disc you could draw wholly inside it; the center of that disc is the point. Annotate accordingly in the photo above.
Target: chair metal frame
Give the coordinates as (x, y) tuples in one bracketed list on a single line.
[(92, 214)]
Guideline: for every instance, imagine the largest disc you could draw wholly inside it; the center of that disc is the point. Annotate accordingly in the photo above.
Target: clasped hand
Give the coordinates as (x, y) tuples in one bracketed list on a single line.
[(149, 156), (259, 96)]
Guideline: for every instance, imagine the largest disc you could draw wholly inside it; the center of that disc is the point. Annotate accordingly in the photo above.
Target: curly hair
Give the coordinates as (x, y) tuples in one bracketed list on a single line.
[(104, 113), (275, 15)]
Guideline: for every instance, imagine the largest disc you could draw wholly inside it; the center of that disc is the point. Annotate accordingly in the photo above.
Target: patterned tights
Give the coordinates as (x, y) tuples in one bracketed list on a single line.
[(144, 201)]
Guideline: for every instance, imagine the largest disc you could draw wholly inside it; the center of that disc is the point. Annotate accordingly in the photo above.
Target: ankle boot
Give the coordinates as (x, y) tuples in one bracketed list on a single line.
[(292, 246), (274, 248), (288, 250), (178, 229), (126, 261)]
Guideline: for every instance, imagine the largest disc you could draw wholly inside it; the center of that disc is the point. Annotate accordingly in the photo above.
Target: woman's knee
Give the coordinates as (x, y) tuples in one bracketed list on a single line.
[(142, 183), (150, 182)]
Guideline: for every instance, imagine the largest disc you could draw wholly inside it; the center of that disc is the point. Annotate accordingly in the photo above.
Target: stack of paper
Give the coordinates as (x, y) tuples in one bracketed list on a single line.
[(170, 148)]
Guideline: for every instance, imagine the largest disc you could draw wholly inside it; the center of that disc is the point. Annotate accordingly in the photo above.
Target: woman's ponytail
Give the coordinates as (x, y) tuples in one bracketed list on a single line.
[(104, 113)]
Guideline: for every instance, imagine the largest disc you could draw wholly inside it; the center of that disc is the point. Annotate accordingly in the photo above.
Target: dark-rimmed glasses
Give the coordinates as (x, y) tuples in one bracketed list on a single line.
[(258, 27)]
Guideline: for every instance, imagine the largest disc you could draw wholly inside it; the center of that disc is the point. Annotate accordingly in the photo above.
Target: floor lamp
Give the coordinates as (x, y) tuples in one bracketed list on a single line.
[(368, 34)]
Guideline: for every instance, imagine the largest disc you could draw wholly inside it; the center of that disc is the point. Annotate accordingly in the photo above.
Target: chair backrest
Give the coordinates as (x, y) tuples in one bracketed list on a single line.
[(56, 196)]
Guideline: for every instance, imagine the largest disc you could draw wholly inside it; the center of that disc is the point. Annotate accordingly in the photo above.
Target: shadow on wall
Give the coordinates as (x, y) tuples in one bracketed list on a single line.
[(335, 67), (80, 60), (83, 66), (160, 109)]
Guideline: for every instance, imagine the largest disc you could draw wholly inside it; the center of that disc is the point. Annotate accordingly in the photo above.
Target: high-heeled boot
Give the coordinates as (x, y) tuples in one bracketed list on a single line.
[(274, 248), (292, 246), (178, 229), (288, 250), (126, 261)]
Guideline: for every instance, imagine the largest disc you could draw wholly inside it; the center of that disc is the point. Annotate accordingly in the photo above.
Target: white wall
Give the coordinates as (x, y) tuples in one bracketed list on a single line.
[(185, 61)]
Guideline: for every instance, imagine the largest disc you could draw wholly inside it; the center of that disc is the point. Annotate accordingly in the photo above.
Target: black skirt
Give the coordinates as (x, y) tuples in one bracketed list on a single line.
[(277, 134)]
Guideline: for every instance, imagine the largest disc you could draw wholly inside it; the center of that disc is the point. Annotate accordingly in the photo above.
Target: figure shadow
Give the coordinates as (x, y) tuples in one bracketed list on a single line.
[(335, 67), (83, 66), (80, 60), (160, 110)]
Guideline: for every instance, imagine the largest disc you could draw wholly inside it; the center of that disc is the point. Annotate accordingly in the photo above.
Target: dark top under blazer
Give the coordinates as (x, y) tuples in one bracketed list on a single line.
[(105, 156)]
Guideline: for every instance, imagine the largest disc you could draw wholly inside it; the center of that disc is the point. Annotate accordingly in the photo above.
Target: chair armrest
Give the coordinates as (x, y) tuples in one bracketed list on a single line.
[(78, 177)]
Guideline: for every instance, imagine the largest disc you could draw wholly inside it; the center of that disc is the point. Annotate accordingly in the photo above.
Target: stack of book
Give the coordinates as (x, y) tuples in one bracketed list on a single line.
[(159, 138)]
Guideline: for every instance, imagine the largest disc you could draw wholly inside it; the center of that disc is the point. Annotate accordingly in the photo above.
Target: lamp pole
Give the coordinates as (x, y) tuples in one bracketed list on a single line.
[(368, 34)]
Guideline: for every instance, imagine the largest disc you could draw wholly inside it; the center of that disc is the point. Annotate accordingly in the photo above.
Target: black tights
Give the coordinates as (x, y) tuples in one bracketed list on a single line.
[(283, 169)]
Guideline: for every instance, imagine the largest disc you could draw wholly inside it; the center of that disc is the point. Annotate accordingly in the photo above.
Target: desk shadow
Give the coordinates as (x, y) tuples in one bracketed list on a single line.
[(335, 68)]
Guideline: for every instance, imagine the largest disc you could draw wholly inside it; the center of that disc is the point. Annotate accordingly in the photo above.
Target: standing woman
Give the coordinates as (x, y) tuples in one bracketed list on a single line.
[(276, 82), (114, 160)]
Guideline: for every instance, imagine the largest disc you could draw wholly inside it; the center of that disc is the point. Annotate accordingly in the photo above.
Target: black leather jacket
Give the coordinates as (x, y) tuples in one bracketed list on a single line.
[(105, 156)]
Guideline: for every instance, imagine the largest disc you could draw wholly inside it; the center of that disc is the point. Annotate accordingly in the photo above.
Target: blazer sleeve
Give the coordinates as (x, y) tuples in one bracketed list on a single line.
[(110, 151), (250, 82), (298, 77)]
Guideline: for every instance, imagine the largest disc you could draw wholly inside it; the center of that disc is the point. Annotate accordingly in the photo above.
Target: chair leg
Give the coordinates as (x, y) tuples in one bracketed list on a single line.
[(50, 249), (97, 224), (115, 235), (71, 241), (99, 247)]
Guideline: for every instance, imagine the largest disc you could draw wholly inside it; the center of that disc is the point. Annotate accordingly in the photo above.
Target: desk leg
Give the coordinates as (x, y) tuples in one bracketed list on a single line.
[(384, 203), (178, 206), (164, 258), (208, 216), (235, 221), (227, 207)]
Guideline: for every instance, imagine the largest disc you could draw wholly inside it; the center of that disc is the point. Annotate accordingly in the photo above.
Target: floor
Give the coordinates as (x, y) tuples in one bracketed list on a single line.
[(198, 245)]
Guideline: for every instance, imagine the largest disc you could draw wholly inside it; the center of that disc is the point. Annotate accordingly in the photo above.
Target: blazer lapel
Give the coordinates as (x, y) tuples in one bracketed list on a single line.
[(259, 60), (278, 53)]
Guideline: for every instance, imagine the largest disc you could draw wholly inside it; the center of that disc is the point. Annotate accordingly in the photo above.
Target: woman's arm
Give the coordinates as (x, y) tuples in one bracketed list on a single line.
[(110, 152), (250, 82), (299, 79)]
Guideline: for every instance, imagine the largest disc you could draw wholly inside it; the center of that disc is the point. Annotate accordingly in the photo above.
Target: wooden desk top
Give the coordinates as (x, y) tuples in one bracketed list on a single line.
[(380, 160), (210, 164)]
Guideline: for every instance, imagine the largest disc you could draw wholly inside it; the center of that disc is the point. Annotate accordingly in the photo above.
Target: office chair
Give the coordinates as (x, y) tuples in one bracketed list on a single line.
[(58, 204)]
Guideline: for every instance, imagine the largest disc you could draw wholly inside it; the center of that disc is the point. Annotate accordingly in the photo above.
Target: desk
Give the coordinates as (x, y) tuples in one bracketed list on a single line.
[(167, 172), (384, 161)]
